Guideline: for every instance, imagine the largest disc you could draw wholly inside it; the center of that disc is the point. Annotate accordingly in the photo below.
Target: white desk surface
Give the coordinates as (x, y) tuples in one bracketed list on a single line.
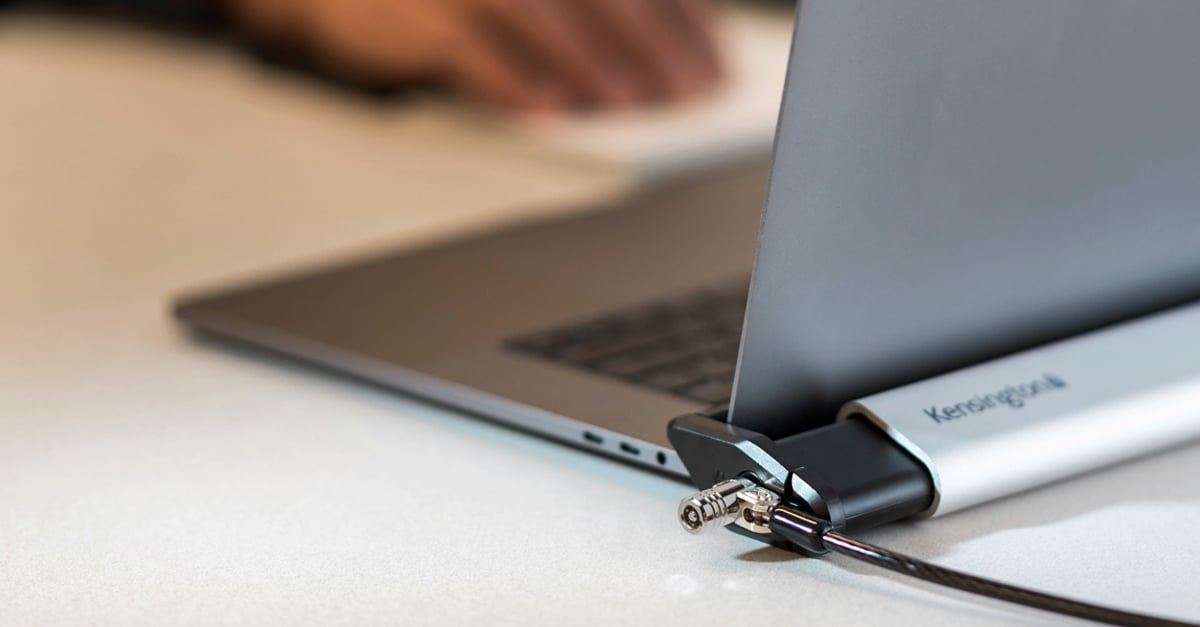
[(146, 479)]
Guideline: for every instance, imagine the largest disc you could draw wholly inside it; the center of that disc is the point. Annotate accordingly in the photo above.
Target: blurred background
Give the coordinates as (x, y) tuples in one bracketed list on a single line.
[(149, 146)]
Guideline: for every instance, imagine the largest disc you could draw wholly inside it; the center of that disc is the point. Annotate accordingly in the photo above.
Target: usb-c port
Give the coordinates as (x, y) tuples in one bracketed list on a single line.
[(593, 438), (629, 448)]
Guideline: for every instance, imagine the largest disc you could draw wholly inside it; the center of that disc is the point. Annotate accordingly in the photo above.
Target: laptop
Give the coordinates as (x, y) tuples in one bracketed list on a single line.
[(953, 180)]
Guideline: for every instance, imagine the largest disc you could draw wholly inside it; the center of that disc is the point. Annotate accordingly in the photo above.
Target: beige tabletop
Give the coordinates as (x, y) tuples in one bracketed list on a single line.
[(149, 479)]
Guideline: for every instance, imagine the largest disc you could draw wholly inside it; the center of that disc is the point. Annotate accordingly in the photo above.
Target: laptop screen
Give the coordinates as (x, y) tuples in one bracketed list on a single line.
[(957, 180)]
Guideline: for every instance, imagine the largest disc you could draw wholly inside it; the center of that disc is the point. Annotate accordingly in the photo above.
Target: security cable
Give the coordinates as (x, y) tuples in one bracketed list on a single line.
[(789, 524), (758, 509)]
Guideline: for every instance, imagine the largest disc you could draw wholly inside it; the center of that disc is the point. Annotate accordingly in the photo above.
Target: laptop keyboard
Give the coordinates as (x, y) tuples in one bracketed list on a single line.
[(685, 346)]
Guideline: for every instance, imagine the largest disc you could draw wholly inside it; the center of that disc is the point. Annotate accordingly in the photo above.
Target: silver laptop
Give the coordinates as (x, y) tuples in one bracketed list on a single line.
[(953, 180)]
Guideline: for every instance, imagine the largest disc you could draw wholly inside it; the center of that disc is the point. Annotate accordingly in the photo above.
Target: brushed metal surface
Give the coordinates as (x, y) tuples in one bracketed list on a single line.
[(1044, 415)]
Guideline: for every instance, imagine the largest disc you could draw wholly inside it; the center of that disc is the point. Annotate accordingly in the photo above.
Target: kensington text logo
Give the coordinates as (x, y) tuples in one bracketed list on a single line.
[(1013, 397)]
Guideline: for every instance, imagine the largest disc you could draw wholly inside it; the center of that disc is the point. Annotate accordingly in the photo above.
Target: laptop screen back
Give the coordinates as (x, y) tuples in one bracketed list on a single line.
[(955, 180)]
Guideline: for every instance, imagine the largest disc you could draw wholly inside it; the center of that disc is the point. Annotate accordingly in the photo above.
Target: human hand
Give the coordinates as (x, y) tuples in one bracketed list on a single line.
[(519, 54)]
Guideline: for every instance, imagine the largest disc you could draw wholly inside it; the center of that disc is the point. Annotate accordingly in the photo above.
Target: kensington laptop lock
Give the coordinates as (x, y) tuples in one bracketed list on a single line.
[(951, 442)]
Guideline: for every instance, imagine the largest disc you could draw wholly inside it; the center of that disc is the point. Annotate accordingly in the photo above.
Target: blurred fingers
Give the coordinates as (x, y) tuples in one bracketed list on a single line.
[(669, 42), (488, 71), (695, 25), (556, 44), (533, 54)]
